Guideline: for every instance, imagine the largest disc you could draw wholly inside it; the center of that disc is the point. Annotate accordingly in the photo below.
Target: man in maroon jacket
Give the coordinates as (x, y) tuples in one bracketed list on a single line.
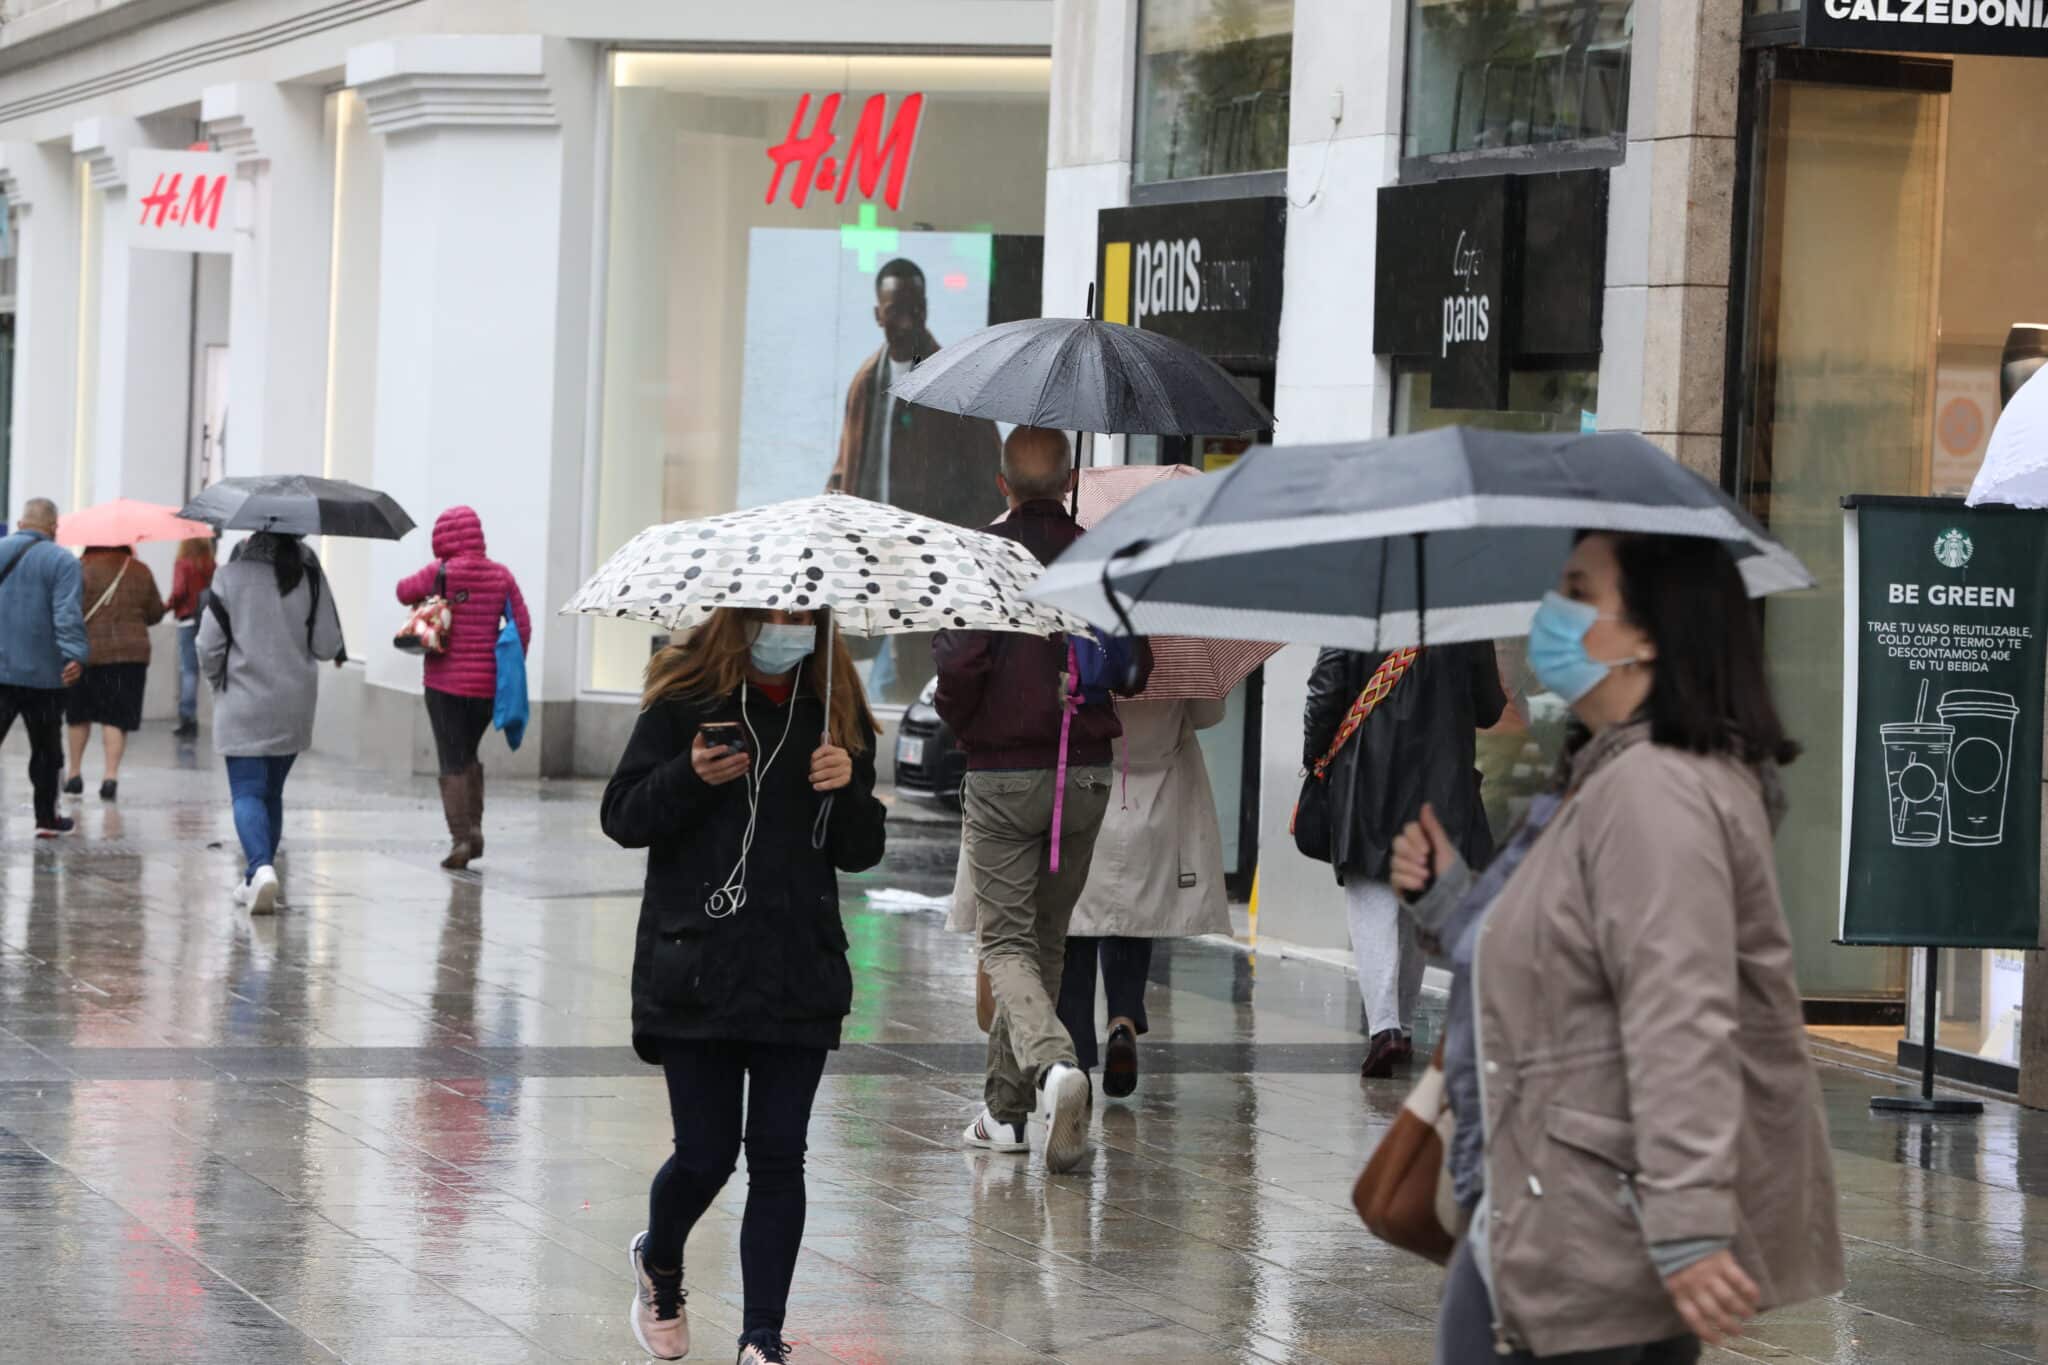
[(1004, 695)]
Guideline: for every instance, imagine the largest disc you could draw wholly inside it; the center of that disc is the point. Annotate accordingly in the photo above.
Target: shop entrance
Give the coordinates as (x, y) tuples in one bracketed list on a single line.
[(1894, 238)]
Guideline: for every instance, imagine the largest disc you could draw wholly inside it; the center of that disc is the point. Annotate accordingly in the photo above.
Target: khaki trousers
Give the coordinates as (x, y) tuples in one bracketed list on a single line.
[(1022, 909)]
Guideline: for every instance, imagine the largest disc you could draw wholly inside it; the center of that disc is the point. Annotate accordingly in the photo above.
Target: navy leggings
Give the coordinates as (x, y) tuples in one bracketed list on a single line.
[(705, 1083)]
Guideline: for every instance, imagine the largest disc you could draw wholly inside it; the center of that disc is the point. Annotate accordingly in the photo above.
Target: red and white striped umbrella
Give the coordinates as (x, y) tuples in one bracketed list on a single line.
[(1184, 667)]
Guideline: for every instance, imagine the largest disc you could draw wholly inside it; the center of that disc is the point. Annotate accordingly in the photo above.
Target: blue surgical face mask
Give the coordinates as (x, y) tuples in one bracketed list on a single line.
[(779, 648), (1557, 647)]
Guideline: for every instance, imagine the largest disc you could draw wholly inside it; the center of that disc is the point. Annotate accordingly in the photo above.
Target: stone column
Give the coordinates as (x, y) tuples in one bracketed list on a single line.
[(1344, 139), (1665, 321), (484, 348), (143, 332), (1088, 139), (41, 182), (277, 329)]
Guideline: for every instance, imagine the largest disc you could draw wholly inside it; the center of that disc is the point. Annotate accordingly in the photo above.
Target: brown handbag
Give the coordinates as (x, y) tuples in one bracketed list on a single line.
[(1404, 1193), (984, 999)]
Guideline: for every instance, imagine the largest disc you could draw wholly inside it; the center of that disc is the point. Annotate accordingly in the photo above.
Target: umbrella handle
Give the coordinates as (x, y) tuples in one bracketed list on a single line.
[(824, 820)]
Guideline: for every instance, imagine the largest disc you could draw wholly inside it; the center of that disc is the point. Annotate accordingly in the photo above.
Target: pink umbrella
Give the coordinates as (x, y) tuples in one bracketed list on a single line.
[(1183, 666), (125, 521)]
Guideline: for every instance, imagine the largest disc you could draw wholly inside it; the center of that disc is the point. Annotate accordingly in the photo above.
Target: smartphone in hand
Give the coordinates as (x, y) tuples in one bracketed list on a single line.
[(729, 735)]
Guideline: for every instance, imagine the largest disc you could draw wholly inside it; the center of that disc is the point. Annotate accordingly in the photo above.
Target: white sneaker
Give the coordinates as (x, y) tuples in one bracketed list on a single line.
[(991, 1134), (263, 891), (1063, 1103)]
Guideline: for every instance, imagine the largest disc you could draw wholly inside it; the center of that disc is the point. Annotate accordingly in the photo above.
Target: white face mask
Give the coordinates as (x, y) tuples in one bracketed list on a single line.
[(777, 648)]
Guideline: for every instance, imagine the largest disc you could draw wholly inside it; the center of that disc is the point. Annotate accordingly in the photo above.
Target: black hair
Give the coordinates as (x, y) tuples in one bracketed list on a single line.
[(1709, 694), (901, 268), (284, 553)]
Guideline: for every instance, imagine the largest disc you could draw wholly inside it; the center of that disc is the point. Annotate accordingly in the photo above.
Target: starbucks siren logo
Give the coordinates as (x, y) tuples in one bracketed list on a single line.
[(1953, 548)]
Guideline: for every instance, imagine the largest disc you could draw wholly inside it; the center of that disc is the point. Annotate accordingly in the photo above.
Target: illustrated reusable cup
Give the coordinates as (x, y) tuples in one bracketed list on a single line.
[(1980, 763), (1916, 778)]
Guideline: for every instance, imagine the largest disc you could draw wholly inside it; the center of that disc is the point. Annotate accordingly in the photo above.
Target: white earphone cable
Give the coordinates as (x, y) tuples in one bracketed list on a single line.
[(730, 898)]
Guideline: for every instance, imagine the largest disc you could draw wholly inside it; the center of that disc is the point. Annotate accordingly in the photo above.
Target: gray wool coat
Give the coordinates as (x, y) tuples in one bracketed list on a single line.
[(268, 682)]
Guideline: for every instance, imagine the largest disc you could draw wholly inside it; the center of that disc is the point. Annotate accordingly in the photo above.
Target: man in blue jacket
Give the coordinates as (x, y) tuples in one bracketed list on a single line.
[(42, 649)]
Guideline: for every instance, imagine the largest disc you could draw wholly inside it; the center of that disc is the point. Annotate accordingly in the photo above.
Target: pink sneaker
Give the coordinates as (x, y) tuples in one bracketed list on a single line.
[(660, 1322)]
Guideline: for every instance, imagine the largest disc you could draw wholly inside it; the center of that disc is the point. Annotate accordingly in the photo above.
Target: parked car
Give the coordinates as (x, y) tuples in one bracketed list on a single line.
[(929, 763)]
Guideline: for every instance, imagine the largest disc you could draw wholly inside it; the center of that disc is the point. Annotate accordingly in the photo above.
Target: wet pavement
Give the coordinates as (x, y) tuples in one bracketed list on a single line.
[(400, 1122)]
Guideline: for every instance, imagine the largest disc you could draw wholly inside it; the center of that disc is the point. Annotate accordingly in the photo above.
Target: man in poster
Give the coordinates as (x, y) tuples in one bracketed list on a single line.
[(933, 463), (936, 464)]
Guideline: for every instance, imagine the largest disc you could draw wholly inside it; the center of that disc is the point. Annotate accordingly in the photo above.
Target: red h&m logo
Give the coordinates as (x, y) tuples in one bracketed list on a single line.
[(872, 155), (200, 208)]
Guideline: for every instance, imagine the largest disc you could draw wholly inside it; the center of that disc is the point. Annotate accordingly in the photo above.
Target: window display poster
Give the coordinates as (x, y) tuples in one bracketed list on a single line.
[(819, 306), (1965, 408), (1945, 621)]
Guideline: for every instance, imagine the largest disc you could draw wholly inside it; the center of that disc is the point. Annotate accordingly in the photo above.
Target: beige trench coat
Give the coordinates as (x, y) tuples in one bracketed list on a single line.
[(1644, 1069), (1158, 868)]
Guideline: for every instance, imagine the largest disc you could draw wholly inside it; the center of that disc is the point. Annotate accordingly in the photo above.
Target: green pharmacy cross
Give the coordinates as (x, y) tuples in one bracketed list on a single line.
[(864, 237)]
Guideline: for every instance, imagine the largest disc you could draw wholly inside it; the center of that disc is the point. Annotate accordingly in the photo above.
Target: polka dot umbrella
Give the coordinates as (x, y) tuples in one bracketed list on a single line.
[(880, 570)]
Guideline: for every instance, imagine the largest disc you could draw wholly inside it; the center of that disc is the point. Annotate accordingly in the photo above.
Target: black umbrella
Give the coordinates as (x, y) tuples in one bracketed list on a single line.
[(1078, 374), (300, 505), (1342, 544)]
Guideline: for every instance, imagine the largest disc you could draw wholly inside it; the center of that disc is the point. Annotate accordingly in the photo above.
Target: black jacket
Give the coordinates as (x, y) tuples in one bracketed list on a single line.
[(775, 971), (1416, 746), (999, 691)]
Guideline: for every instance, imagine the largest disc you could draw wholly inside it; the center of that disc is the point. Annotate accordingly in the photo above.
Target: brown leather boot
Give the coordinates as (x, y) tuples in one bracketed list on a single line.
[(475, 809), (455, 805)]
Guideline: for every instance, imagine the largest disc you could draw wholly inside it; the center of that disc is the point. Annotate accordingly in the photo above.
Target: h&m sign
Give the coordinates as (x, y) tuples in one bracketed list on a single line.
[(1995, 28), (181, 200)]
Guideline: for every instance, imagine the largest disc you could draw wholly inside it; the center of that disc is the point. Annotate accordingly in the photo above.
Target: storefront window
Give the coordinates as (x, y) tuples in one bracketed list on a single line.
[(1882, 296), (1485, 75), (1517, 756), (788, 234), (1213, 79)]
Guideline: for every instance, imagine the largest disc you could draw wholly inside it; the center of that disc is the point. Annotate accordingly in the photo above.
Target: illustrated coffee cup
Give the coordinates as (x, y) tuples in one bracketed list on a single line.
[(1980, 764), (1916, 761)]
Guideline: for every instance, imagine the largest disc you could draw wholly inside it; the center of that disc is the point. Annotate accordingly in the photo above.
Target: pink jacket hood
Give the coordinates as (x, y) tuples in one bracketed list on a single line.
[(458, 531)]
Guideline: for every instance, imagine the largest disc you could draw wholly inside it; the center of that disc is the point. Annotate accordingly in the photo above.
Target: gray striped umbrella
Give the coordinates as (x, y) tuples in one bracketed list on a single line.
[(1340, 544)]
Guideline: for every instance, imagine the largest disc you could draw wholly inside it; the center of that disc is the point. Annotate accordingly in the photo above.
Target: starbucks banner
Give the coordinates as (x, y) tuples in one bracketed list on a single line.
[(1945, 622)]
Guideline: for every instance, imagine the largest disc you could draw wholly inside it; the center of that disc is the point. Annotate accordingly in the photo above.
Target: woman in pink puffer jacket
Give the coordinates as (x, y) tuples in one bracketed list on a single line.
[(462, 681)]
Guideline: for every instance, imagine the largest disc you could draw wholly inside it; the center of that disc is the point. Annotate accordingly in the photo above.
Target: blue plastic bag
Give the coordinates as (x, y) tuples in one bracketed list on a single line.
[(509, 710)]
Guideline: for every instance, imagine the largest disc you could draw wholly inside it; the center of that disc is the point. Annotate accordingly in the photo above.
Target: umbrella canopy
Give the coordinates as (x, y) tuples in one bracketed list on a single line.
[(1077, 374), (2015, 468), (125, 521), (881, 570), (300, 505), (1183, 666), (1338, 544)]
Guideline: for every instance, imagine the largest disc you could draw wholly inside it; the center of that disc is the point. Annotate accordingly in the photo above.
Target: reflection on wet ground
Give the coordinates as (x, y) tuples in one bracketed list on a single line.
[(400, 1122)]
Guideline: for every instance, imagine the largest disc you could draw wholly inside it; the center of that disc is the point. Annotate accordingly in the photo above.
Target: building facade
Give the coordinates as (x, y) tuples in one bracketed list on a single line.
[(582, 266)]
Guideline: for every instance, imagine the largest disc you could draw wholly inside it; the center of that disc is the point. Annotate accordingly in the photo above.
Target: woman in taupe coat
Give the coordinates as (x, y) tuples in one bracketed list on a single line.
[(1640, 1147)]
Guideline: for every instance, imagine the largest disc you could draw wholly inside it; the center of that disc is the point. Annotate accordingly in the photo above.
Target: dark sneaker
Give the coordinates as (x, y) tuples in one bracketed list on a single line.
[(1388, 1047), (188, 729), (661, 1324), (1120, 1060), (57, 828), (764, 1348), (109, 789), (74, 786)]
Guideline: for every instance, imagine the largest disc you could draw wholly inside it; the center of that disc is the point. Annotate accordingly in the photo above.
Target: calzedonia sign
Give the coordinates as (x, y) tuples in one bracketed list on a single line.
[(1946, 631), (1997, 28), (1206, 273)]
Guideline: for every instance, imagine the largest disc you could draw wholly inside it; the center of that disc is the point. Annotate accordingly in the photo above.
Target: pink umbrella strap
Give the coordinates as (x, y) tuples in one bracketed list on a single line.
[(1068, 686)]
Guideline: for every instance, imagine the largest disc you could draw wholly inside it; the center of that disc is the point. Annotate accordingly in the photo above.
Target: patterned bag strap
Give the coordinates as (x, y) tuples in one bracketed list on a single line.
[(1376, 689)]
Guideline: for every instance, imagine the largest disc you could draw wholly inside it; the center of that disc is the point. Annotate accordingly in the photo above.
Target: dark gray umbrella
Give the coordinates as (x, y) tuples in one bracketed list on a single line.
[(1077, 374), (300, 505), (1337, 544)]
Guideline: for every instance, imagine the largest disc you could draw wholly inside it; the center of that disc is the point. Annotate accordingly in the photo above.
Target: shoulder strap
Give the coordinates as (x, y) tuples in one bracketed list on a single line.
[(19, 555), (1377, 687), (441, 580), (219, 611), (112, 588)]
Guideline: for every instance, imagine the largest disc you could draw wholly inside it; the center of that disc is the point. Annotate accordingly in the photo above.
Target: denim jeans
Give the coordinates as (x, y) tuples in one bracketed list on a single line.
[(257, 786), (188, 671)]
